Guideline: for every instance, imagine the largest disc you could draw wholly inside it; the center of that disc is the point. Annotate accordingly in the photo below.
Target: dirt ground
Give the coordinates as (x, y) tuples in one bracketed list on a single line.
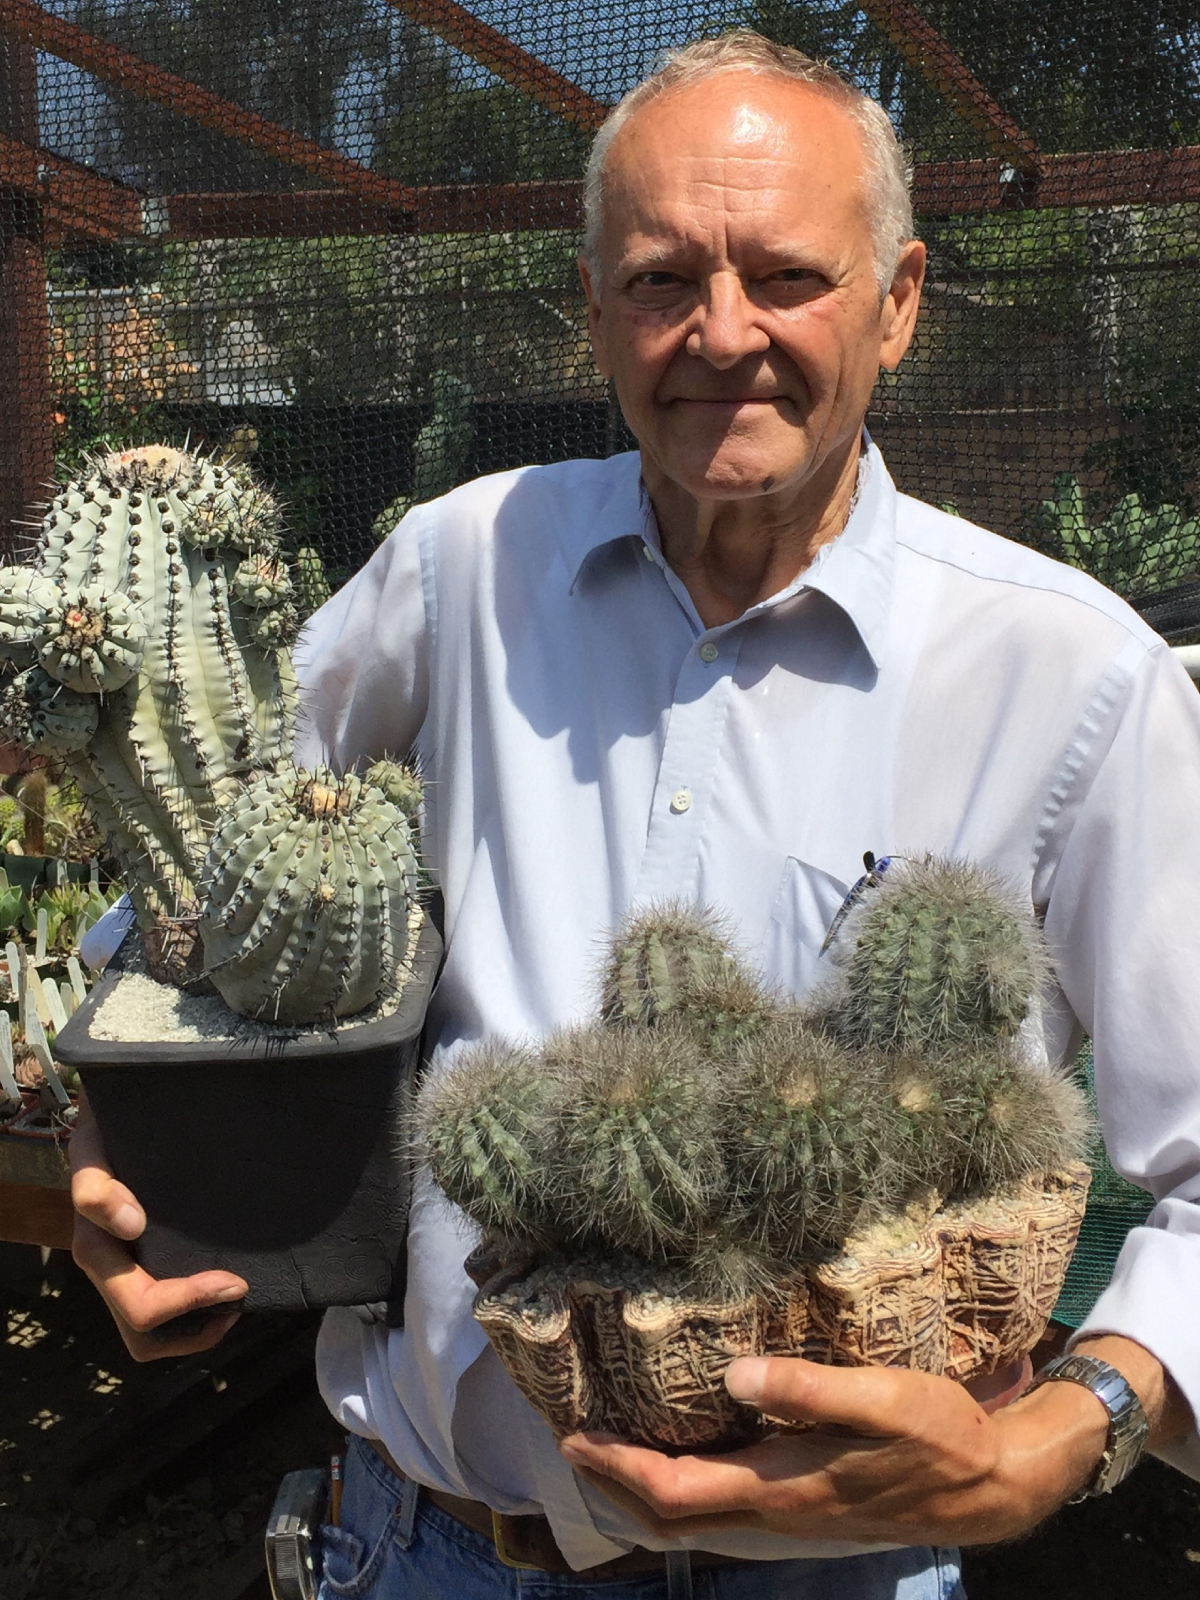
[(94, 1505)]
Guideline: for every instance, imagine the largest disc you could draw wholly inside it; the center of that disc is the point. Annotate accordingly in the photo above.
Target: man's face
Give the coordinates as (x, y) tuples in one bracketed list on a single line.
[(737, 308)]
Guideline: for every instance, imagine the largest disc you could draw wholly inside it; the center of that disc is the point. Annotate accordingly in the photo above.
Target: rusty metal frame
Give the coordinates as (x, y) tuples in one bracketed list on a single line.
[(494, 50), (73, 198), (77, 202), (147, 82), (941, 188), (924, 48)]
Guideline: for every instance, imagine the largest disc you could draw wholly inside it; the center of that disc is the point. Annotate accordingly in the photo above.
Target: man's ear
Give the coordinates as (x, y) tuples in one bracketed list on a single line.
[(595, 330), (898, 314)]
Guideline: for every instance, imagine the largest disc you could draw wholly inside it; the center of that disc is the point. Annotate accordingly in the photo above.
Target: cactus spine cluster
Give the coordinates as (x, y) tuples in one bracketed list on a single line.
[(675, 963), (936, 955), (733, 1152), (147, 643)]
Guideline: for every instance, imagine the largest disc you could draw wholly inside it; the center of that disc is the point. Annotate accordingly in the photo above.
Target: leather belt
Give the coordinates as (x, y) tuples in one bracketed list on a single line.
[(528, 1543)]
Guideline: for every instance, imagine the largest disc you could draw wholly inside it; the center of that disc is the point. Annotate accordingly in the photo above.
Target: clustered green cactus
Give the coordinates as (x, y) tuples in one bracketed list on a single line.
[(147, 643), (706, 1126), (937, 954), (440, 452), (1135, 549)]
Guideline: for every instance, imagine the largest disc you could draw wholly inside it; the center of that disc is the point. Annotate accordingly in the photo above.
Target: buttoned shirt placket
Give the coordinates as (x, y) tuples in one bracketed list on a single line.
[(680, 809)]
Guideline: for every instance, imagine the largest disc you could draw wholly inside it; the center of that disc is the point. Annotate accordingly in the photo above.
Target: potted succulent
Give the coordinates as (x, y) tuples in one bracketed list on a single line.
[(247, 1058), (880, 1176)]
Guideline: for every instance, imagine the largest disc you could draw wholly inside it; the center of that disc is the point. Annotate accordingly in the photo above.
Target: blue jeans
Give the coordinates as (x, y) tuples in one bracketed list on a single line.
[(378, 1552)]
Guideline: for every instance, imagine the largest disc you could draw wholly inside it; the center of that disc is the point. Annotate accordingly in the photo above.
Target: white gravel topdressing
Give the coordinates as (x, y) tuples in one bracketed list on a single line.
[(140, 1010)]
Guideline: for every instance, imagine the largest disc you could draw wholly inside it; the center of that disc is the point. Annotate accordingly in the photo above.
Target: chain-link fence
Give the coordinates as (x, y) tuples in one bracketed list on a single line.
[(340, 240)]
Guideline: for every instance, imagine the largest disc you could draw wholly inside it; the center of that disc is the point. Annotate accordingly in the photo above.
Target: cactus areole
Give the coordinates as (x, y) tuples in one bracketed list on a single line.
[(146, 645)]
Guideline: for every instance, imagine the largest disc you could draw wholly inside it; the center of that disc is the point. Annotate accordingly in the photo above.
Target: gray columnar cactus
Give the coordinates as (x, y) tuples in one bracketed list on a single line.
[(935, 955), (148, 646)]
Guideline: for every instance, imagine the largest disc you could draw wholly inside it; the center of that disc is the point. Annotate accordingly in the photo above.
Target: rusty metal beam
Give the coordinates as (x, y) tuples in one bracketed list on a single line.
[(78, 202), (135, 76), (73, 198), (450, 208), (26, 431), (1086, 178), (507, 60), (943, 188), (924, 48)]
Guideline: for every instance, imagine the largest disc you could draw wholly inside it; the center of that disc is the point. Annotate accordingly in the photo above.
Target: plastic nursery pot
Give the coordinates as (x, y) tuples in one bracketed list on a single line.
[(282, 1158), (35, 872)]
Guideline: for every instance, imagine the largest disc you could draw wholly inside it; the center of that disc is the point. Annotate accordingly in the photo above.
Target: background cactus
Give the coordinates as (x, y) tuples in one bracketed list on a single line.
[(440, 452), (312, 585), (1135, 549), (148, 640), (935, 954), (672, 961)]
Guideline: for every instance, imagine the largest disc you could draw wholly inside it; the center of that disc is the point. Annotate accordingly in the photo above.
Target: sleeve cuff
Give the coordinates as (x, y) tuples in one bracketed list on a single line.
[(1154, 1299)]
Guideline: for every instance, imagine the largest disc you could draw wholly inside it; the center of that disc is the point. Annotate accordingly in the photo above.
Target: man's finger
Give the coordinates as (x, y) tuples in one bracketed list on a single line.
[(97, 1196), (874, 1402), (674, 1487), (95, 1193), (667, 1527), (143, 1302)]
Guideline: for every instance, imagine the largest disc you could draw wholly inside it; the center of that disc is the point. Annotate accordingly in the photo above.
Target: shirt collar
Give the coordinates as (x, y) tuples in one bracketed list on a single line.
[(855, 571)]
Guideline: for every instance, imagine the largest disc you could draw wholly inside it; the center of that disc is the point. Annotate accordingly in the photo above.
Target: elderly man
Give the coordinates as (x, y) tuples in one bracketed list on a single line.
[(721, 669)]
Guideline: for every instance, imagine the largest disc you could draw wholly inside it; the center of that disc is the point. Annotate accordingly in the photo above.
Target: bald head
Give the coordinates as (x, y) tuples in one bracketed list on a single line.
[(880, 174)]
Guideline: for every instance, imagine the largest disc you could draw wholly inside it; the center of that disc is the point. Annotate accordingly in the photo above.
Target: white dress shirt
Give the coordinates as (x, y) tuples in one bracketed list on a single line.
[(588, 746)]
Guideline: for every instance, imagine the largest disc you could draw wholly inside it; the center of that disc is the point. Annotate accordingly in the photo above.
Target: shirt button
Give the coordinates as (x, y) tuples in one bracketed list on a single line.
[(648, 552), (709, 651), (681, 801)]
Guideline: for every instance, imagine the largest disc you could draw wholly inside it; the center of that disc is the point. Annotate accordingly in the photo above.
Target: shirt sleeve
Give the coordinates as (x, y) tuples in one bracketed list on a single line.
[(1123, 922), (363, 659)]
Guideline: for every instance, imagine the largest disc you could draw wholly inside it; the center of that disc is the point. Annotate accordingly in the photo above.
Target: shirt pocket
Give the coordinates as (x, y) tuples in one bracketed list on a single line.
[(806, 902)]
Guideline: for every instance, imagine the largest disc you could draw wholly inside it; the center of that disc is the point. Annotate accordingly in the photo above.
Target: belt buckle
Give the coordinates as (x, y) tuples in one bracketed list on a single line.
[(502, 1555)]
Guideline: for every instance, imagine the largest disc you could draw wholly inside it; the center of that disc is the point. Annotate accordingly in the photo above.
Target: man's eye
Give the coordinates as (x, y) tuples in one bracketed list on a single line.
[(796, 275), (656, 280)]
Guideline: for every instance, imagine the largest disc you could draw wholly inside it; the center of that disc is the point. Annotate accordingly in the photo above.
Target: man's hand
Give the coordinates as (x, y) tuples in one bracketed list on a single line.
[(106, 1217), (896, 1456)]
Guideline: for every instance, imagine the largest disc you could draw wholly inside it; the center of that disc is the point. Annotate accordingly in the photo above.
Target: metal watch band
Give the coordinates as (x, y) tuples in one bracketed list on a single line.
[(1127, 1425)]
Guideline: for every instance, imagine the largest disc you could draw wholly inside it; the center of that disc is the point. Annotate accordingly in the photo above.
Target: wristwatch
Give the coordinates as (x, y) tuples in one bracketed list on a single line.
[(1127, 1425)]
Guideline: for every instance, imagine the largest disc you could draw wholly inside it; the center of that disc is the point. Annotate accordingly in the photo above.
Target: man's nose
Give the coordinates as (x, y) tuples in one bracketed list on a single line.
[(726, 322)]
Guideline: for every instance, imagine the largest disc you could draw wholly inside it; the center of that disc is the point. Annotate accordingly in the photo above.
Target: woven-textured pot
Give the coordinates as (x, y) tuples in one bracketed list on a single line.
[(970, 1294)]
